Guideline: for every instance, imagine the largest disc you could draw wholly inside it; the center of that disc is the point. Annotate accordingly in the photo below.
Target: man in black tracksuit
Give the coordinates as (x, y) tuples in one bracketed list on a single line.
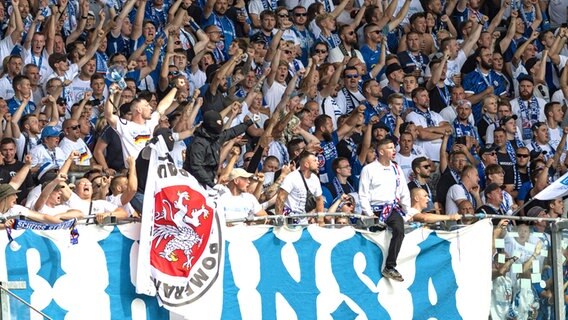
[(202, 156)]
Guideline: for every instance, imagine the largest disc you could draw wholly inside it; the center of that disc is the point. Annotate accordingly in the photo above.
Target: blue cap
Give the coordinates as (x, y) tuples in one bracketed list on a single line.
[(49, 131)]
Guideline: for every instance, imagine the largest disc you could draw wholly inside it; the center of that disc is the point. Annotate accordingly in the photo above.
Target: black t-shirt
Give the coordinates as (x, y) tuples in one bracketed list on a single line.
[(482, 126), (212, 102), (12, 170), (440, 98), (508, 166), (446, 181), (114, 157)]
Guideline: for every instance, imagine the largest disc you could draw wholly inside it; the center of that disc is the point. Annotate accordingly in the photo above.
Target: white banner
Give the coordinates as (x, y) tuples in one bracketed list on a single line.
[(269, 273), (557, 189), (180, 244)]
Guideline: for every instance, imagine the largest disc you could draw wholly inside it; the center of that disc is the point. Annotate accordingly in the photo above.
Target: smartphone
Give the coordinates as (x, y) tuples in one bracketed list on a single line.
[(461, 140)]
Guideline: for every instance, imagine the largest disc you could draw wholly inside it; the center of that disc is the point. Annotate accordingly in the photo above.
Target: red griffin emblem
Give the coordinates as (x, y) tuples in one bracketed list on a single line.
[(182, 226)]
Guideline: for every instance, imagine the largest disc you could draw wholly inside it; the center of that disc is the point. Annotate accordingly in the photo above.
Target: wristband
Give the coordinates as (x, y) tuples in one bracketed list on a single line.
[(194, 26)]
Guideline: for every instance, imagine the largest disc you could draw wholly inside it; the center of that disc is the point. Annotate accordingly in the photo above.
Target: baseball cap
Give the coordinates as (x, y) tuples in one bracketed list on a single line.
[(486, 149), (505, 119), (239, 173), (49, 131), (392, 68)]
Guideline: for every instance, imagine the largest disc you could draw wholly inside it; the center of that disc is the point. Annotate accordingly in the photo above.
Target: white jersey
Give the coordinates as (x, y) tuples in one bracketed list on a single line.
[(134, 136)]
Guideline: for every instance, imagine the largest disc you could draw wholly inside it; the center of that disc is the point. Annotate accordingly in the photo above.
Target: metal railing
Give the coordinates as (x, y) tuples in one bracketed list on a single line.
[(5, 314)]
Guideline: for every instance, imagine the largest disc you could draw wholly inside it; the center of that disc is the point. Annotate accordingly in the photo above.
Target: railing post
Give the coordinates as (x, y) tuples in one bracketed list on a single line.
[(5, 298), (557, 265)]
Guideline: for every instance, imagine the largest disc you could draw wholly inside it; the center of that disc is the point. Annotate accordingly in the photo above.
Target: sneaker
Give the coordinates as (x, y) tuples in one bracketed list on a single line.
[(391, 273)]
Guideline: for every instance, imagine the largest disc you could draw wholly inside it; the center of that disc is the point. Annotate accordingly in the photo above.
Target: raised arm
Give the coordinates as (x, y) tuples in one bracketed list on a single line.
[(144, 72), (538, 16), (498, 17), (339, 9), (128, 6), (506, 41), (470, 42), (17, 181), (521, 49), (28, 43), (208, 8), (114, 97), (84, 5), (92, 49), (400, 16), (76, 114), (437, 72), (167, 101), (16, 35), (138, 21)]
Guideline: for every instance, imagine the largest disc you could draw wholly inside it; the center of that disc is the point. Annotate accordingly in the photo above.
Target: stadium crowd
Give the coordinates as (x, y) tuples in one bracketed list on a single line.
[(404, 109)]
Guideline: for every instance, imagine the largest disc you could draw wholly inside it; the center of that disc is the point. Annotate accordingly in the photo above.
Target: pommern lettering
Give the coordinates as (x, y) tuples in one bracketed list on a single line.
[(169, 170)]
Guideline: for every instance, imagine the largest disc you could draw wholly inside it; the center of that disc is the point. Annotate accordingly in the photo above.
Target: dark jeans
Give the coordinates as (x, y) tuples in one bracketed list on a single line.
[(396, 223), (137, 202)]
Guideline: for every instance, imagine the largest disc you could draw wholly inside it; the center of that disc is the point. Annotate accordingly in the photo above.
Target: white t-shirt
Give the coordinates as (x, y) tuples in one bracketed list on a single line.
[(405, 163), (134, 136), (6, 47), (238, 207), (53, 211), (41, 156), (78, 88), (99, 206), (41, 62), (21, 144), (297, 193), (558, 96), (69, 146), (335, 55), (15, 211), (117, 201), (454, 67), (6, 89), (431, 148), (273, 94), (455, 193)]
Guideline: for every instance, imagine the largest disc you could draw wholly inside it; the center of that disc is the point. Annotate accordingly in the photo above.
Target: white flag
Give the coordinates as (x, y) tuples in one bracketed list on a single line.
[(181, 250), (557, 189)]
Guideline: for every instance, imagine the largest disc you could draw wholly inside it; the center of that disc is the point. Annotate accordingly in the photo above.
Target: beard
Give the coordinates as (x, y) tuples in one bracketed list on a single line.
[(486, 65)]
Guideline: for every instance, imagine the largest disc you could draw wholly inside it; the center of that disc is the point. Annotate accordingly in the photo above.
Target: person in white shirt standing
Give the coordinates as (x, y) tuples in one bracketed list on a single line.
[(293, 193), (135, 133), (238, 203), (72, 141), (383, 192), (431, 126)]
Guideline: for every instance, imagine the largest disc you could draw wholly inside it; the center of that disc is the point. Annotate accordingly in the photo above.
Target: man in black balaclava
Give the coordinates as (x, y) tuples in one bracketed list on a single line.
[(202, 156)]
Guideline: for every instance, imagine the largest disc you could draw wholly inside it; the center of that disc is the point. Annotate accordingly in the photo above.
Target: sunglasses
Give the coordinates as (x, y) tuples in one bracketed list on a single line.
[(283, 16), (247, 159), (523, 155), (74, 127), (287, 52), (301, 14), (351, 33), (320, 51), (174, 73), (352, 76), (426, 166)]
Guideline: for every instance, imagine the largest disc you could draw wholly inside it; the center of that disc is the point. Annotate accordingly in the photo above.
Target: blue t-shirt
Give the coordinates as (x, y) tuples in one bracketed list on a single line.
[(370, 56), (326, 157)]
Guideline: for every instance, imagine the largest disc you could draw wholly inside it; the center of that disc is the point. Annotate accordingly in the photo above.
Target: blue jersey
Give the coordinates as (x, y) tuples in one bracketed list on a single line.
[(14, 104), (370, 56), (326, 157), (475, 82)]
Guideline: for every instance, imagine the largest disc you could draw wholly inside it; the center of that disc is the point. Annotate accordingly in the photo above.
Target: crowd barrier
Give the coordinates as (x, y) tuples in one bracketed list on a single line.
[(265, 273)]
